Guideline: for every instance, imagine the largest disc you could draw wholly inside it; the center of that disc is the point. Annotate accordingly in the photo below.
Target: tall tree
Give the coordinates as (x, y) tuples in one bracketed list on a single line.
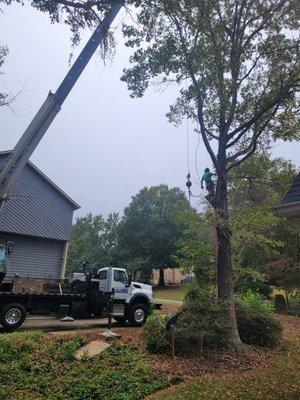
[(196, 252), (239, 60), (93, 239), (149, 231), (261, 240)]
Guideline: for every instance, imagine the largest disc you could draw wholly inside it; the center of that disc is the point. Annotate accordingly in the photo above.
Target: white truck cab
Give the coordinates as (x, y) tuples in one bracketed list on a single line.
[(133, 300)]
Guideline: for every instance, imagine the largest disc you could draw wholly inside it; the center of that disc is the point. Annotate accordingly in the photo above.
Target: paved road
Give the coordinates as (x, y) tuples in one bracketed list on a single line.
[(53, 324)]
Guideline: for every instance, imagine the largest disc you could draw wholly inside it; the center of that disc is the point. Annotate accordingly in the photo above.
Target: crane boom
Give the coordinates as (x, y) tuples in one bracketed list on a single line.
[(20, 155)]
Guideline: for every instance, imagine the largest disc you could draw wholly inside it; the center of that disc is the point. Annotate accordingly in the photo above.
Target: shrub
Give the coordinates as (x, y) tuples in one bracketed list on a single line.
[(257, 328), (255, 302), (250, 279), (256, 322), (155, 333), (202, 321)]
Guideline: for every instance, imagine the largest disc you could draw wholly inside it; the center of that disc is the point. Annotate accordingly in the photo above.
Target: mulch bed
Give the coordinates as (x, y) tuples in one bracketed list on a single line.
[(207, 362)]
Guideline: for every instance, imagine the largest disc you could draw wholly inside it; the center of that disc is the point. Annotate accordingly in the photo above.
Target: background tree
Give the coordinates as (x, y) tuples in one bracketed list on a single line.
[(149, 231), (196, 250), (93, 239), (262, 242), (239, 60)]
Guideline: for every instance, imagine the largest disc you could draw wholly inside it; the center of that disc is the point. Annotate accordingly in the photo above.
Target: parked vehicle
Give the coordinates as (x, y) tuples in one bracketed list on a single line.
[(85, 296)]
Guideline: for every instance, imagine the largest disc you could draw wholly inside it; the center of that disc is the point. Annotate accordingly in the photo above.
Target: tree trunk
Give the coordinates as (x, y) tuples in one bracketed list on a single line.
[(224, 264), (161, 277)]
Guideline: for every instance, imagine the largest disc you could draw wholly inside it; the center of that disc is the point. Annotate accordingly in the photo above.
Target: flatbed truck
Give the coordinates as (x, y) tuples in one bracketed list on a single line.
[(86, 295)]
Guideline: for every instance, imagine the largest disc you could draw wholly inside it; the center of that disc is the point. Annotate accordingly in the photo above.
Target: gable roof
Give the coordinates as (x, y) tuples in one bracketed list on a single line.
[(48, 180), (293, 194), (289, 206)]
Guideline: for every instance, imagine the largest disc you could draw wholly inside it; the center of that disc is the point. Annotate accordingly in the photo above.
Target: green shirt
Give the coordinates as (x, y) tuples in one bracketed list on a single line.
[(207, 176)]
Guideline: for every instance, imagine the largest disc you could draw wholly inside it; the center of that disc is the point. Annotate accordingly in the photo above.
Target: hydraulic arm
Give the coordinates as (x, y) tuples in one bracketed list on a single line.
[(37, 128)]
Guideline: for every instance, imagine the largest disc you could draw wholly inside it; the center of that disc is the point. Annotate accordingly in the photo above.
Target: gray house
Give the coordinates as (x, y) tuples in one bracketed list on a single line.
[(38, 220)]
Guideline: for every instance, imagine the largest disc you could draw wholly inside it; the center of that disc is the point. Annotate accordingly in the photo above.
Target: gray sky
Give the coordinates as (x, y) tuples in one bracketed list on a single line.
[(104, 146)]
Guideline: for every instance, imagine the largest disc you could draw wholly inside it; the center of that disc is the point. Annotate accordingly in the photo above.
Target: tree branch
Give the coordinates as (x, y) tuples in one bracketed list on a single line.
[(253, 145), (204, 131), (282, 93)]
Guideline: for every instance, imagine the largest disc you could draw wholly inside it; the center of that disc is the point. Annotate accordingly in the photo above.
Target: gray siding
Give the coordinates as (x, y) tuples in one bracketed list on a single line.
[(38, 258), (37, 209)]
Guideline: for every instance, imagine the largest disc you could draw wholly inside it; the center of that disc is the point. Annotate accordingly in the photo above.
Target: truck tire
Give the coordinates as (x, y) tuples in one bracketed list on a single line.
[(120, 320), (138, 314), (12, 316)]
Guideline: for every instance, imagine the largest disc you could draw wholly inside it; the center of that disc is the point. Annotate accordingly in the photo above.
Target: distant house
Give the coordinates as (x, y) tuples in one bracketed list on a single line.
[(38, 220), (290, 204)]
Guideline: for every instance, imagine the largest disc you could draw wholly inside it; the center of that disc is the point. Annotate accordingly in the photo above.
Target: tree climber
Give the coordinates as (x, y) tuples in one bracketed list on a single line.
[(209, 183)]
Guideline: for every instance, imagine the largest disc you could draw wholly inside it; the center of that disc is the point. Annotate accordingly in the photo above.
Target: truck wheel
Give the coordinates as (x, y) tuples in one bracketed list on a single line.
[(120, 320), (138, 314), (12, 316)]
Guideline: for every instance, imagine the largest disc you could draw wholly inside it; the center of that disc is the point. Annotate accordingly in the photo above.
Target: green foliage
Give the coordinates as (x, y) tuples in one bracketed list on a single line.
[(14, 345), (202, 321), (77, 16), (250, 279), (149, 231), (261, 180), (36, 367), (155, 333), (256, 322), (284, 270), (196, 252), (93, 239), (261, 240), (253, 301), (256, 328), (228, 74)]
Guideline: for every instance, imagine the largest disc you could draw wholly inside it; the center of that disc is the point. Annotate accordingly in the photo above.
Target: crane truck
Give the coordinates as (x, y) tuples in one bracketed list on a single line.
[(87, 294)]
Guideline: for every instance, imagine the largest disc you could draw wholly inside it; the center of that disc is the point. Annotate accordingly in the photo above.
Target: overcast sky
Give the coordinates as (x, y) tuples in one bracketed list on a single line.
[(103, 146)]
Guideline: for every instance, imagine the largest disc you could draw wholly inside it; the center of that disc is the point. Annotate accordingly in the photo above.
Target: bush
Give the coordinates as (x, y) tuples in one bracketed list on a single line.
[(202, 321), (256, 322), (250, 279), (255, 302), (155, 333), (256, 328)]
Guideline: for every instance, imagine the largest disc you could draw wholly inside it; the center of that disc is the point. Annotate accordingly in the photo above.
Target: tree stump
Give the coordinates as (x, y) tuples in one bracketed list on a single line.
[(280, 303)]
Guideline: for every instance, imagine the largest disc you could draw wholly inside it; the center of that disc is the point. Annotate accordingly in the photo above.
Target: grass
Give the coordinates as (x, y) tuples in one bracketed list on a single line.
[(171, 293), (36, 367)]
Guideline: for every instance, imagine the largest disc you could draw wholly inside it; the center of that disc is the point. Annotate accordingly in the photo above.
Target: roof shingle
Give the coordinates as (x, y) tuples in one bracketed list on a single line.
[(293, 194)]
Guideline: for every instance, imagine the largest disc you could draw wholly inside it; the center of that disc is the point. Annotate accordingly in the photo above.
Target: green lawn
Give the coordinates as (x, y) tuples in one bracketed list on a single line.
[(278, 380), (175, 293)]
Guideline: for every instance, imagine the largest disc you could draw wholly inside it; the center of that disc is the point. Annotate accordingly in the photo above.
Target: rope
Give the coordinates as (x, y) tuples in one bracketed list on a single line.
[(196, 154), (188, 144)]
